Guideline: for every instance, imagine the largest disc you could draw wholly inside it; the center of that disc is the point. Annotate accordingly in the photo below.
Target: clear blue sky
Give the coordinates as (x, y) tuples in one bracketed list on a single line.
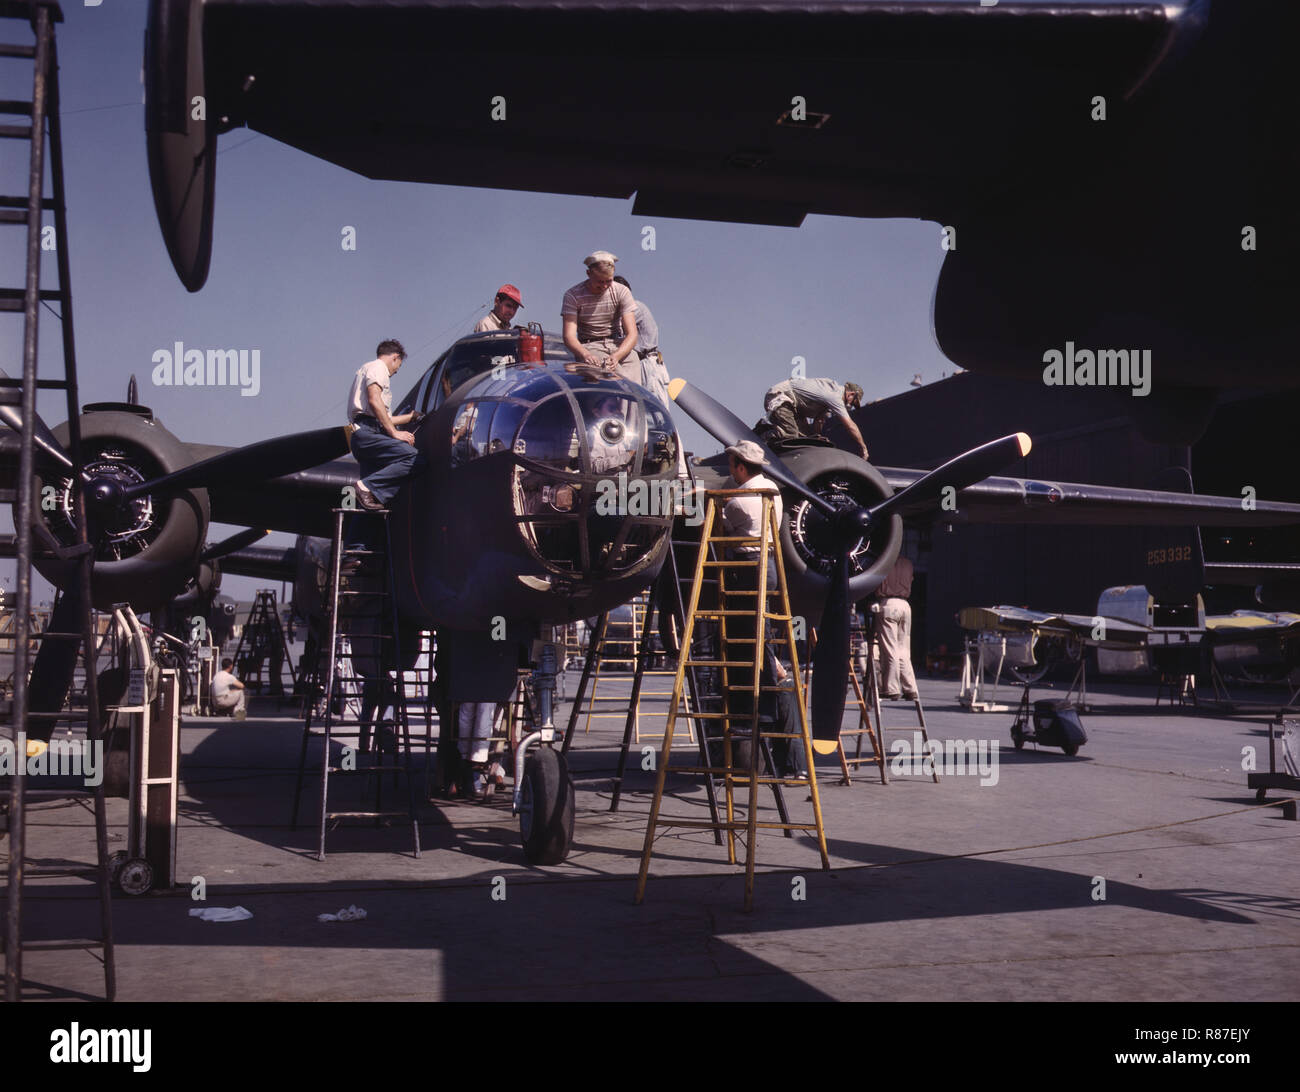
[(734, 303)]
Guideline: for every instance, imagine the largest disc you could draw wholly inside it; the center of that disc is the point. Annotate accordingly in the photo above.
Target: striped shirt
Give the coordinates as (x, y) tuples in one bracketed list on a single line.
[(596, 315)]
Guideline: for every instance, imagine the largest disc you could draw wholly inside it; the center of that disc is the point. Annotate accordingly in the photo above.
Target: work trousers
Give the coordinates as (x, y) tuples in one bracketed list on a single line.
[(896, 648), (385, 462)]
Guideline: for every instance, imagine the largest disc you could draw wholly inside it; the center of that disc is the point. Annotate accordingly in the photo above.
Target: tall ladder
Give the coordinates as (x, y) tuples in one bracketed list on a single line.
[(873, 699), (262, 639), (758, 611), (43, 111), (363, 639), (865, 708)]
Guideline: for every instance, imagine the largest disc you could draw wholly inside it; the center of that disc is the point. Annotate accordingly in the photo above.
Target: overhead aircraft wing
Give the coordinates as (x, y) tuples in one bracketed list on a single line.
[(865, 107)]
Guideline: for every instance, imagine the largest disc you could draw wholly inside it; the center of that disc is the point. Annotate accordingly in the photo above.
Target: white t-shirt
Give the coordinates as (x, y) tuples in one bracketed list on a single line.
[(490, 322), (743, 515), (359, 396), (221, 688)]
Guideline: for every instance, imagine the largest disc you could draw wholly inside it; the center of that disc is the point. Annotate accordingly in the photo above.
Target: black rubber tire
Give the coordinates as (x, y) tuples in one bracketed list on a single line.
[(1070, 749), (1261, 795), (1018, 742), (546, 808)]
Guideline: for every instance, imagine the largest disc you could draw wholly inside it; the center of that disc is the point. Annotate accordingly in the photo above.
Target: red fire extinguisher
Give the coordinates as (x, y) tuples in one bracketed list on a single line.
[(530, 344)]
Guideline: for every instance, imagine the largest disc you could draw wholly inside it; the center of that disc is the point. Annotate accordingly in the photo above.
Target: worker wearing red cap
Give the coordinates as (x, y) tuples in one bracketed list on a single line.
[(508, 301)]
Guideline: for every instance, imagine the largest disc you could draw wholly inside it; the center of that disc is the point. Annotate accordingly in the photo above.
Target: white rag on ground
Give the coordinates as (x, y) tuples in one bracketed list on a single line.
[(221, 913)]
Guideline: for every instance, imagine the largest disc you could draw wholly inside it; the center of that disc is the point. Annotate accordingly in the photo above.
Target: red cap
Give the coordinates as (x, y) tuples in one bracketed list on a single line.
[(511, 291)]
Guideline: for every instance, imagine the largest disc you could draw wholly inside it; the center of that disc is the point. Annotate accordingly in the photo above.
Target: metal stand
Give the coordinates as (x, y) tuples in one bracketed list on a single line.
[(362, 642)]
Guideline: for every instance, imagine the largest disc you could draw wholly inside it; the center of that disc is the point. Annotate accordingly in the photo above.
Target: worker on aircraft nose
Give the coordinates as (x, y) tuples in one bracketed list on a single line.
[(385, 453), (507, 302), (590, 311)]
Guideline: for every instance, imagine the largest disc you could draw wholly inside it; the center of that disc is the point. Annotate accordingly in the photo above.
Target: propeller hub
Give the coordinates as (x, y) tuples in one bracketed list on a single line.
[(104, 493)]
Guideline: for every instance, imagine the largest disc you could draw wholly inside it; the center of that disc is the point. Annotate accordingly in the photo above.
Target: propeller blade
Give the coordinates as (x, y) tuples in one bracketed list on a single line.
[(725, 427), (132, 392), (830, 661), (256, 462), (233, 543), (974, 466), (45, 439), (56, 660)]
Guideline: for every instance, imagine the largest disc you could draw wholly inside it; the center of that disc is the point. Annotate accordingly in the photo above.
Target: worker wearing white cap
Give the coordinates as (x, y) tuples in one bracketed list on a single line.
[(590, 312)]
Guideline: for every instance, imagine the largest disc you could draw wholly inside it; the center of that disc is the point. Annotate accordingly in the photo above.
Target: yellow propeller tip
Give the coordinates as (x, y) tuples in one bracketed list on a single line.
[(1022, 438), (825, 746), (675, 388)]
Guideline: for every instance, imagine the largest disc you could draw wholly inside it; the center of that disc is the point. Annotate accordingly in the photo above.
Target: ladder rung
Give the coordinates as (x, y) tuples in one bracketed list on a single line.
[(10, 296), (740, 824), (16, 106), (13, 49), (8, 201), (59, 945), (368, 814), (86, 872), (737, 775), (13, 216), (15, 132), (732, 564), (17, 381)]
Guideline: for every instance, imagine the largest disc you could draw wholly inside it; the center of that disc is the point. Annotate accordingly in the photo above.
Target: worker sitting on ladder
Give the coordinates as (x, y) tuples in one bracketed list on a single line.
[(742, 516)]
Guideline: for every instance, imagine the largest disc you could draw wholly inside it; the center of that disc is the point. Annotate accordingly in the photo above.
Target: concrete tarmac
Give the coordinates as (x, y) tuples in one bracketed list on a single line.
[(1142, 869)]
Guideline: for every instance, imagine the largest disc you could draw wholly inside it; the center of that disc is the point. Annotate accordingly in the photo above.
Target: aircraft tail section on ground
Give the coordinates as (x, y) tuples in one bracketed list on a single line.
[(1173, 559)]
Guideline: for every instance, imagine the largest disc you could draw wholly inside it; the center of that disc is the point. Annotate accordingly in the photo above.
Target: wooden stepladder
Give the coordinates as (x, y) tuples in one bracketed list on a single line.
[(745, 598)]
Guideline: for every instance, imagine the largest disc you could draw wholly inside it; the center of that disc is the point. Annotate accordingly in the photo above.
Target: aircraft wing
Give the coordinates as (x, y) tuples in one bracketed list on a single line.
[(1244, 624), (1119, 633), (298, 503), (865, 107), (1021, 500)]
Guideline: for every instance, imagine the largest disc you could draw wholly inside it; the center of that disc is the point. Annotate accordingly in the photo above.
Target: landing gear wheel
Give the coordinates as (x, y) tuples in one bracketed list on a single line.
[(135, 877), (1261, 795), (1018, 741), (546, 807), (1070, 748)]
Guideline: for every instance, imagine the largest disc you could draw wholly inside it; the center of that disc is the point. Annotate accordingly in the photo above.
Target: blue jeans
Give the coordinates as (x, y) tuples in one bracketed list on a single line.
[(385, 462)]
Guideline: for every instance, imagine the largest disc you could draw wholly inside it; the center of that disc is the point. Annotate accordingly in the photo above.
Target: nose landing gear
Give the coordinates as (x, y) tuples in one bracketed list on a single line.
[(544, 796)]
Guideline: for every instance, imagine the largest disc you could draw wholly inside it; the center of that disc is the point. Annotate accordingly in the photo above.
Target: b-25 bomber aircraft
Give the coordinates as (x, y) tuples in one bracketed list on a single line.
[(505, 523)]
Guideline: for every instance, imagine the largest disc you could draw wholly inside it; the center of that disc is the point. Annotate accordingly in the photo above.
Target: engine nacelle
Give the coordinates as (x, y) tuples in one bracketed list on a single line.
[(840, 478), (147, 550)]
